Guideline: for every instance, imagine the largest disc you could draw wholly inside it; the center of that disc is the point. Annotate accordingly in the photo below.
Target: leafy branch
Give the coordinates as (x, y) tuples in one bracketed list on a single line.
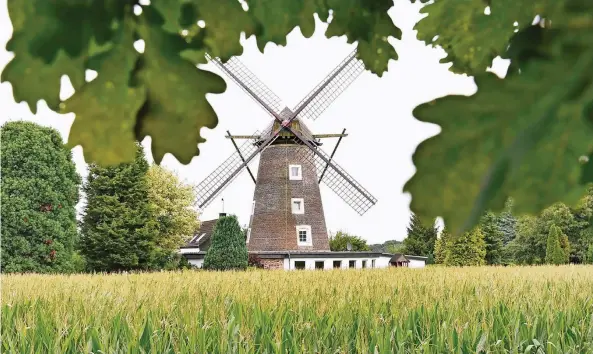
[(527, 136), (161, 92)]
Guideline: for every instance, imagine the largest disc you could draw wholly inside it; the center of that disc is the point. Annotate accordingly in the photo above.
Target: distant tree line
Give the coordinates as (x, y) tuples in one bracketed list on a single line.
[(558, 235)]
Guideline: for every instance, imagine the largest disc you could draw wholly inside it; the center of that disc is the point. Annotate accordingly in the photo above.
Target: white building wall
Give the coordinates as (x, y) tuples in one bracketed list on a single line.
[(328, 263), (196, 262), (382, 262), (415, 263), (187, 250)]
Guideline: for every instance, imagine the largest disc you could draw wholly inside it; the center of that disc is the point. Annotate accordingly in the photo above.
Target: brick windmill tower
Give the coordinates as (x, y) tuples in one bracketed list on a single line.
[(287, 213)]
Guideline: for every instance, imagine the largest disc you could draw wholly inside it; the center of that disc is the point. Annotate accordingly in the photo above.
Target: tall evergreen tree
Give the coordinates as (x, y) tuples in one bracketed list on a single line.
[(565, 247), (119, 230), (554, 252), (228, 249), (588, 259), (493, 237), (39, 194), (507, 222), (467, 249), (440, 247), (420, 239)]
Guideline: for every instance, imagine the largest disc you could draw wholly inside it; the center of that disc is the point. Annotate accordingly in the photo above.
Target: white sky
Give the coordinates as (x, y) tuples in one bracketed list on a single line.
[(377, 113)]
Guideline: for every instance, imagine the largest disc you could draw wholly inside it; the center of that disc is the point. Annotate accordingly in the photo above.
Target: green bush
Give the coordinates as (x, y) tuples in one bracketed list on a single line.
[(228, 249), (39, 195)]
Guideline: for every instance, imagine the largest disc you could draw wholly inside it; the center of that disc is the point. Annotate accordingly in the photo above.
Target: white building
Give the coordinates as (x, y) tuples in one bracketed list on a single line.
[(196, 249)]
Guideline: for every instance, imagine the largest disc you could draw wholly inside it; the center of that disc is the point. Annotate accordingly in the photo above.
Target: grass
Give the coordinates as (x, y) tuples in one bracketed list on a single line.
[(432, 310)]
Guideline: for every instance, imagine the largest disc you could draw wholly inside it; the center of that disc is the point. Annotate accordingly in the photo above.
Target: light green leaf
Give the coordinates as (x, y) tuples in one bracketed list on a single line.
[(370, 25), (176, 107), (469, 36), (106, 108), (521, 137)]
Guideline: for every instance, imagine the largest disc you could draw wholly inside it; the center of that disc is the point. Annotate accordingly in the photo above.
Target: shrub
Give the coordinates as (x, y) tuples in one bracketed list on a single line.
[(228, 249)]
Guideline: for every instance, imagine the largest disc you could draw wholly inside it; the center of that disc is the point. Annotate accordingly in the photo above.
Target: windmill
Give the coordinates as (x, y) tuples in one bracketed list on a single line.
[(287, 211)]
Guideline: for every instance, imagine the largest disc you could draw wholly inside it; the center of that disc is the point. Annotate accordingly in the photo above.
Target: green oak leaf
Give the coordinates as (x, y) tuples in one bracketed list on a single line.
[(176, 107), (106, 107), (523, 137), (171, 13), (51, 39), (472, 38), (370, 25), (277, 18), (225, 20), (33, 78)]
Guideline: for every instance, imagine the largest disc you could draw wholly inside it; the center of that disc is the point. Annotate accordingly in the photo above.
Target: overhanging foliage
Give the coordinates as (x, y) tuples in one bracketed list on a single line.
[(527, 136)]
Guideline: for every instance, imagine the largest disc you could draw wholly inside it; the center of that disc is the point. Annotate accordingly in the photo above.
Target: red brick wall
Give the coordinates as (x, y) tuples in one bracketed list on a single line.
[(273, 226), (273, 263)]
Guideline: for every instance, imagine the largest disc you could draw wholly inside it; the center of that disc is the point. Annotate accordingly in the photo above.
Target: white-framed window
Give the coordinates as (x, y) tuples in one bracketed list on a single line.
[(297, 205), (295, 172), (253, 207), (303, 233), (248, 234)]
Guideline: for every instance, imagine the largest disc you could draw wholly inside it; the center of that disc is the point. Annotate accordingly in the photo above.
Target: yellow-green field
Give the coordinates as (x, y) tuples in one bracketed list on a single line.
[(432, 310)]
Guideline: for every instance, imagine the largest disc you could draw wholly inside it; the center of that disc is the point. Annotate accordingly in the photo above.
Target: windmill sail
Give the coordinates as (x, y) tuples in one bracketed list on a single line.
[(226, 172), (250, 83), (331, 86), (340, 182)]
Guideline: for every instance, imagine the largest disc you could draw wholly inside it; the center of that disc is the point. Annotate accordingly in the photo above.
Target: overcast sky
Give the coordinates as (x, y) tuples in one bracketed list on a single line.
[(377, 113)]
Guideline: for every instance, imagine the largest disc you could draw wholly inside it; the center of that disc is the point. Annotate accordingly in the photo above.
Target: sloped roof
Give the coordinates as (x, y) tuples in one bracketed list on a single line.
[(398, 257), (203, 234)]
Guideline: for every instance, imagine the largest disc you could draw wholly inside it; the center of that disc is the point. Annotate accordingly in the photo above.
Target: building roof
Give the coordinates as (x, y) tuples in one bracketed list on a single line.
[(416, 258), (203, 235), (303, 254), (398, 257)]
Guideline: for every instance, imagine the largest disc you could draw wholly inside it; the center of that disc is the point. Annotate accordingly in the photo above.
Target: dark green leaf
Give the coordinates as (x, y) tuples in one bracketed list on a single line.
[(51, 39), (520, 137), (34, 78), (277, 18), (370, 25), (225, 20), (176, 107), (106, 108)]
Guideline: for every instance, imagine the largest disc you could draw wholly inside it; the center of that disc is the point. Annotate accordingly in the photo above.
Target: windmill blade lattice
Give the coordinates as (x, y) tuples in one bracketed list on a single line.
[(218, 179), (347, 71), (339, 181), (247, 80)]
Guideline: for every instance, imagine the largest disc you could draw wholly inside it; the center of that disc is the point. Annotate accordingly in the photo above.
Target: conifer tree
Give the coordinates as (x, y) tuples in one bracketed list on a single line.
[(507, 222), (420, 239), (554, 252), (228, 250), (467, 249), (119, 230), (493, 237), (440, 247), (588, 258), (565, 246), (39, 194)]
